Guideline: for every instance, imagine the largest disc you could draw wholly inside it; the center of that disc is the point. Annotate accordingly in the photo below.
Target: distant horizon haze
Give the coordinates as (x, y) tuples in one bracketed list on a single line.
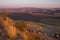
[(30, 3)]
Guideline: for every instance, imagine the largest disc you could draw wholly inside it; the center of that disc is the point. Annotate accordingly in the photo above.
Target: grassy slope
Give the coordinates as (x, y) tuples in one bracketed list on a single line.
[(23, 28)]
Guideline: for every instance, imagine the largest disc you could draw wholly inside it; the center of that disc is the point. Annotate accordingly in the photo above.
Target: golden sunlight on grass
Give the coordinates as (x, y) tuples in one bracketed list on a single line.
[(10, 28), (23, 28)]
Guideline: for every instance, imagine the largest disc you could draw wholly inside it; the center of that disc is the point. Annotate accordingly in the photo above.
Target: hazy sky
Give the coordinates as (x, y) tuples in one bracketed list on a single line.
[(29, 3)]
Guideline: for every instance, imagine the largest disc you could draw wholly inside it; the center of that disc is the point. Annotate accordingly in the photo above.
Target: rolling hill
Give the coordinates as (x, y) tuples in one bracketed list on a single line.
[(29, 24), (21, 30)]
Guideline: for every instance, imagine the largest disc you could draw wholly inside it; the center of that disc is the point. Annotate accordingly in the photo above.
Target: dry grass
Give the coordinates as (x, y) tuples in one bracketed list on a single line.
[(10, 28)]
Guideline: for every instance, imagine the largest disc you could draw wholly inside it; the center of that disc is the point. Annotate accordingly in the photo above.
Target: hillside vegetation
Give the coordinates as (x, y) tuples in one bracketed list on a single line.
[(30, 24), (26, 30)]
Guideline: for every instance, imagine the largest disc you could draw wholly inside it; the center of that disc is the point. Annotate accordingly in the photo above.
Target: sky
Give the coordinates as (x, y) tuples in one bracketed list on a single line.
[(29, 3)]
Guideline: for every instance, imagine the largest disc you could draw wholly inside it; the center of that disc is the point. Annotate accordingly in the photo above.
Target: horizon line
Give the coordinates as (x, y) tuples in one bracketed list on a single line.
[(29, 7)]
